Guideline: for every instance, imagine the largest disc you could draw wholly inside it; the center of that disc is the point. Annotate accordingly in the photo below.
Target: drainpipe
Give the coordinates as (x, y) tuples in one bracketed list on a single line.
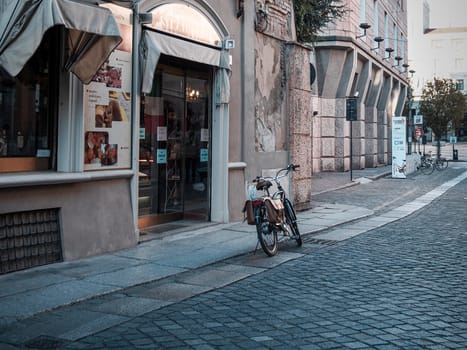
[(242, 84), (135, 112)]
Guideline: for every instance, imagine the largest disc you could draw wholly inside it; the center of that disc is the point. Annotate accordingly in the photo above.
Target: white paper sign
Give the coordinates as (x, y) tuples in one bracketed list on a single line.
[(161, 133), (204, 135)]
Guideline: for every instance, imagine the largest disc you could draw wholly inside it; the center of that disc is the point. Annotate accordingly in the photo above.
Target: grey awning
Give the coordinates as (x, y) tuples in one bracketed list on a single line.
[(92, 34), (154, 43)]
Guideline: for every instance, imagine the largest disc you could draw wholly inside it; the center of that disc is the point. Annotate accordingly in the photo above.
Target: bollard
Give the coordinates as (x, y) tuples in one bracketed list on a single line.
[(455, 154)]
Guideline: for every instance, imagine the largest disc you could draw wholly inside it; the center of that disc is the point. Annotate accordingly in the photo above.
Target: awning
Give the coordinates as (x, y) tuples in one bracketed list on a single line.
[(92, 34), (155, 43)]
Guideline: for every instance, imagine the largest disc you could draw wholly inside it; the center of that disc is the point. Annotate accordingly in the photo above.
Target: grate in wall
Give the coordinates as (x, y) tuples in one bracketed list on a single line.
[(28, 239)]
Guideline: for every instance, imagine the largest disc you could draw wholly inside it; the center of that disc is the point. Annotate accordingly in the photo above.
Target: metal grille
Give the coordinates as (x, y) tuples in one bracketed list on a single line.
[(30, 238)]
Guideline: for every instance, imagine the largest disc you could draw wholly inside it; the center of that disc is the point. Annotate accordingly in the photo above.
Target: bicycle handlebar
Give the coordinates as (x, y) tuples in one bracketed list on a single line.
[(289, 167)]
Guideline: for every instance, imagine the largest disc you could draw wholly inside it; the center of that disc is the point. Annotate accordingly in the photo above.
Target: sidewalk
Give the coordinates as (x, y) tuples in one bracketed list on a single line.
[(26, 293)]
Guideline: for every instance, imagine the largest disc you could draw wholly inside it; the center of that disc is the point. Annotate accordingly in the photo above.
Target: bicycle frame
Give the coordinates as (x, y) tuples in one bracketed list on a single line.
[(268, 224)]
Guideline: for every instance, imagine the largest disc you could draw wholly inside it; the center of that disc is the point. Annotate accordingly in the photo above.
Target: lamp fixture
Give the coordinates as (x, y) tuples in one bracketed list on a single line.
[(411, 72), (378, 40), (363, 26), (389, 50), (398, 60), (405, 65)]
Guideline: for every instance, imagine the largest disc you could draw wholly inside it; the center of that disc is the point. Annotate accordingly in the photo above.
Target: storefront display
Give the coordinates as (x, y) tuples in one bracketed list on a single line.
[(107, 113)]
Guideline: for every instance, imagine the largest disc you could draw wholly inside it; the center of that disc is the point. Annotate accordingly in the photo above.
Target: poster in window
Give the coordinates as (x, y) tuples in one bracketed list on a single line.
[(107, 112)]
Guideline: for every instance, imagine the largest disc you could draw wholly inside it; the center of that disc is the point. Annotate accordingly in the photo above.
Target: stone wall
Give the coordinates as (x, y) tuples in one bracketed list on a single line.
[(300, 121)]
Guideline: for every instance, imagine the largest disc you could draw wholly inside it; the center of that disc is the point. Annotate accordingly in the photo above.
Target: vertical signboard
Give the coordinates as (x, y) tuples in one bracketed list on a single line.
[(107, 110), (399, 147)]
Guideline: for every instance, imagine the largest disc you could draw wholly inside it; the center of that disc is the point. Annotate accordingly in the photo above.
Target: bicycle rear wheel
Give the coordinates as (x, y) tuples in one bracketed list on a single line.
[(291, 220), (266, 235)]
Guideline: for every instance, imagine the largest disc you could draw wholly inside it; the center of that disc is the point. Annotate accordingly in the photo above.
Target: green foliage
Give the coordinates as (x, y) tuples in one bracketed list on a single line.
[(312, 15), (442, 105)]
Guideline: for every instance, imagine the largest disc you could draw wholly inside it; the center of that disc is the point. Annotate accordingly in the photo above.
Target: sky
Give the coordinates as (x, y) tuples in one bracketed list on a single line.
[(448, 13)]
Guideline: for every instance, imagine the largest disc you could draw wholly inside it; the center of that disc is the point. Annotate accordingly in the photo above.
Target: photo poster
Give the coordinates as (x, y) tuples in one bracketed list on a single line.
[(107, 111), (399, 138)]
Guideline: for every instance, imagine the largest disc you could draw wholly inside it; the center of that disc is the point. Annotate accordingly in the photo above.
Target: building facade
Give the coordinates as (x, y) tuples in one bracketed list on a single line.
[(113, 124), (365, 55), (439, 47), (161, 111), (158, 111)]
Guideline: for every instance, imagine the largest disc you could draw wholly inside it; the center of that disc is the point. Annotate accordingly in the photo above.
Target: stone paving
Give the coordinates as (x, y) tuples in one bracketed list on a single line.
[(397, 286)]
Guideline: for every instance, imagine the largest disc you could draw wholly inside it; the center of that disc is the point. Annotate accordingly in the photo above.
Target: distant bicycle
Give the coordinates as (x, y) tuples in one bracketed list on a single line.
[(426, 165), (272, 214), (440, 163)]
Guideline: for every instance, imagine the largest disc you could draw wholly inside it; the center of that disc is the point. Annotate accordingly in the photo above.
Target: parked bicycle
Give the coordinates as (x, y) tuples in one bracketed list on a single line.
[(272, 214), (426, 165)]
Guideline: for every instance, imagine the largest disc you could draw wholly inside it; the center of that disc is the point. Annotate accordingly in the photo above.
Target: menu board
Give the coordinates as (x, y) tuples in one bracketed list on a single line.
[(107, 112)]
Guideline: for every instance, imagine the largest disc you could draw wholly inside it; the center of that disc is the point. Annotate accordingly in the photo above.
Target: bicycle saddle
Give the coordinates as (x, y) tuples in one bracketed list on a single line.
[(263, 184)]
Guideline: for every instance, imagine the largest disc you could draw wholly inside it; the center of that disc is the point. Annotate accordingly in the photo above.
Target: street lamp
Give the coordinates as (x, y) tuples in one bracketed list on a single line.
[(378, 40), (389, 50), (411, 123), (363, 26)]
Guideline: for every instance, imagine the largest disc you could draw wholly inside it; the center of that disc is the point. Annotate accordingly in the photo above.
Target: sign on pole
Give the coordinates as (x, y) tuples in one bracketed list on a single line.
[(399, 164), (351, 108), (418, 119)]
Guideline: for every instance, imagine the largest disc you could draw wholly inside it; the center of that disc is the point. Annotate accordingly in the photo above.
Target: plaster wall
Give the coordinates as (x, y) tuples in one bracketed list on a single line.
[(95, 217)]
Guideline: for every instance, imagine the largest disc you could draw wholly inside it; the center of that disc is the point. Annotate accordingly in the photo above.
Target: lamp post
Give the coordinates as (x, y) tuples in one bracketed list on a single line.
[(411, 123), (350, 115)]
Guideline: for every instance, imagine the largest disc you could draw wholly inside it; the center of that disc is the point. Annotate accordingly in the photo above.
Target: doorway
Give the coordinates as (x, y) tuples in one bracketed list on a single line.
[(175, 161)]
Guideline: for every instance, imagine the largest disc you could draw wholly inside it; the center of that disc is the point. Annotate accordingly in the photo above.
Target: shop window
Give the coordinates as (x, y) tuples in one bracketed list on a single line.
[(27, 111)]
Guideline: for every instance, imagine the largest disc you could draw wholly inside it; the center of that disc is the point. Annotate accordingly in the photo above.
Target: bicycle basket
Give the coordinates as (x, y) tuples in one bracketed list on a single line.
[(275, 209), (249, 210)]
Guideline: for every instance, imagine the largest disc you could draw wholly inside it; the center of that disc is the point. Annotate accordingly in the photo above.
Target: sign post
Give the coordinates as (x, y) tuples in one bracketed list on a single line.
[(350, 115)]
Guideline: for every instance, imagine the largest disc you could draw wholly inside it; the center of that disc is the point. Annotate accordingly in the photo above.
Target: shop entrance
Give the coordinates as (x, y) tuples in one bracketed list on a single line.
[(175, 166)]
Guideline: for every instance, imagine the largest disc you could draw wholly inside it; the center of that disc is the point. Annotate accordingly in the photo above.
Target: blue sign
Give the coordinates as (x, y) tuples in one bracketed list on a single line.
[(161, 156), (203, 155)]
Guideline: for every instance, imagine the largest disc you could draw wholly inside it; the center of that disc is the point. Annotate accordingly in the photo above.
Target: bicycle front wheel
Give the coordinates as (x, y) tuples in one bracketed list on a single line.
[(266, 235), (291, 220), (427, 168), (441, 164)]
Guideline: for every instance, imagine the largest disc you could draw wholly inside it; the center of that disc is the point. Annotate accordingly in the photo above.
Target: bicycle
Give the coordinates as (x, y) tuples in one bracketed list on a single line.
[(426, 165), (272, 214)]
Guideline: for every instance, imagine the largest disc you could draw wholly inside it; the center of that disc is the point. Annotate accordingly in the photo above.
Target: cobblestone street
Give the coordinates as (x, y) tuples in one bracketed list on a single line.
[(401, 286)]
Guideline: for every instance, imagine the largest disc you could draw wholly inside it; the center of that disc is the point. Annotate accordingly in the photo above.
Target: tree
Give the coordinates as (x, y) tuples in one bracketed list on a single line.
[(442, 106), (312, 15)]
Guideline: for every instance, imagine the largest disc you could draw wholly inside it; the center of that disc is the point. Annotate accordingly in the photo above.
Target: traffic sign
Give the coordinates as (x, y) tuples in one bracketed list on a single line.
[(418, 132), (351, 108)]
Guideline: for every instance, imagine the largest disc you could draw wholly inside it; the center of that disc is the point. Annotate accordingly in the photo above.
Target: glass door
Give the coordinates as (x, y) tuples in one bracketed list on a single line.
[(174, 148), (196, 152)]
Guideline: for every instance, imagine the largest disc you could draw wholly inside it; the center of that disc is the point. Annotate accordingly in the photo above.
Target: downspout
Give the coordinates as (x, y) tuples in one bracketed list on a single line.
[(135, 112), (242, 84)]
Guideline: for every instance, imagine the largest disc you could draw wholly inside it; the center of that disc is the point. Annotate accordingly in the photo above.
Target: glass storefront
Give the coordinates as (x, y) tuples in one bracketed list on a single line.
[(174, 171), (27, 111)]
